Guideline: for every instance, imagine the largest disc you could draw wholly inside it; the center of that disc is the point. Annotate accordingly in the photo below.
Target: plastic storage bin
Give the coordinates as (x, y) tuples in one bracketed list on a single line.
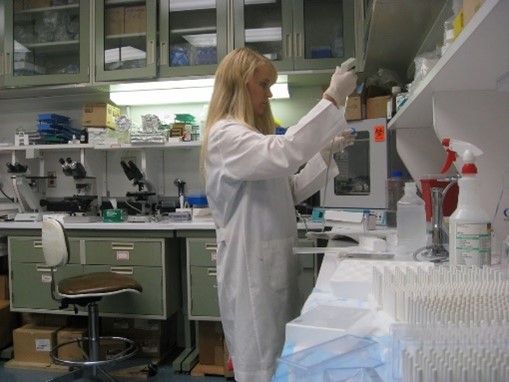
[(310, 364), (326, 322)]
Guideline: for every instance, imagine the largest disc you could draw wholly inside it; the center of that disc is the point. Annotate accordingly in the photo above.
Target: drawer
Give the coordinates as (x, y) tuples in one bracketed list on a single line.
[(202, 252), (124, 252), (149, 302), (31, 284), (203, 292), (26, 249)]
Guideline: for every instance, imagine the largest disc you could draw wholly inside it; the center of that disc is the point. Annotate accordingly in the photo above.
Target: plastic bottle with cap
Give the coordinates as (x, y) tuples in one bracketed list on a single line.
[(469, 224), (411, 220)]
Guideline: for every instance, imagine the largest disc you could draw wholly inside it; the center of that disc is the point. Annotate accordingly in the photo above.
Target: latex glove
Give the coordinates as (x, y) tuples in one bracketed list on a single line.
[(342, 141), (342, 84)]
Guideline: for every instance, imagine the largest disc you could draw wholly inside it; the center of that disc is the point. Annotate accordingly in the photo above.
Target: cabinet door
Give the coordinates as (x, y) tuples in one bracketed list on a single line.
[(266, 26), (193, 36), (323, 33), (46, 42), (125, 39), (2, 38), (150, 302), (204, 301), (31, 285)]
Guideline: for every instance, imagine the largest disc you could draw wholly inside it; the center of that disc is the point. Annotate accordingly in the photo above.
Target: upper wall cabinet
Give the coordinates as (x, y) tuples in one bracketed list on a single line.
[(294, 34), (297, 34), (46, 42), (125, 39), (193, 36)]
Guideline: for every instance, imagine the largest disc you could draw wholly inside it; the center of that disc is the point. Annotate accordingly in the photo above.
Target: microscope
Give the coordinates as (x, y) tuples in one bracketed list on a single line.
[(143, 197), (29, 192), (84, 202)]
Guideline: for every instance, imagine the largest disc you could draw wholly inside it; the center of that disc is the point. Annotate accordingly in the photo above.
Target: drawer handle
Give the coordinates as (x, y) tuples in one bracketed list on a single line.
[(37, 243), (43, 268), (124, 246), (212, 272), (122, 270), (211, 246)]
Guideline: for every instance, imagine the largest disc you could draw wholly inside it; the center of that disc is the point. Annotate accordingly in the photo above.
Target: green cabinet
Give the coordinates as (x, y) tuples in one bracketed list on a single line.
[(29, 276), (201, 255), (125, 39), (46, 43), (202, 296), (154, 263)]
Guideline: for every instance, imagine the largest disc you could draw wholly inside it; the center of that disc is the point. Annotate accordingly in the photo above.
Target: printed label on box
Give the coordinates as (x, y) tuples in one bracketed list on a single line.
[(43, 345)]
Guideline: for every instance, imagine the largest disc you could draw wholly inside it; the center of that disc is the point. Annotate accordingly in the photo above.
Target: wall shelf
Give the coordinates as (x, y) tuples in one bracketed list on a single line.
[(475, 61)]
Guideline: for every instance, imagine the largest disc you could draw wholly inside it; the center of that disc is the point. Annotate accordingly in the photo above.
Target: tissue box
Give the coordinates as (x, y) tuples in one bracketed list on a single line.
[(114, 215)]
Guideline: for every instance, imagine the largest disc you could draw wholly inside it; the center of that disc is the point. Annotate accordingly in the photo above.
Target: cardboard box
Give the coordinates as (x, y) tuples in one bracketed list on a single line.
[(8, 321), (470, 7), (4, 287), (73, 351), (19, 5), (377, 107), (353, 110), (110, 348), (100, 115), (210, 342), (135, 19), (114, 21), (33, 343), (31, 4), (44, 319)]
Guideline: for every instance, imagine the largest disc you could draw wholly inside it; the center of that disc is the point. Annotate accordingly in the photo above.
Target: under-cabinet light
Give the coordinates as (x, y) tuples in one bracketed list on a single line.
[(177, 92)]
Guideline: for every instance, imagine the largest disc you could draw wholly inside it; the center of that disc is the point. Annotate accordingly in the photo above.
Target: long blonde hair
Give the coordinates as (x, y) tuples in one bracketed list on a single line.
[(230, 97)]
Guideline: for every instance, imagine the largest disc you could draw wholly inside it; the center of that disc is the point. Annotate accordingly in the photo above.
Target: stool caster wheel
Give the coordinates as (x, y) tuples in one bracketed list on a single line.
[(152, 369)]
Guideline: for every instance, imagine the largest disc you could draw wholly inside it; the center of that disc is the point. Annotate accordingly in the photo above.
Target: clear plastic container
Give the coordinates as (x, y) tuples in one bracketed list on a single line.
[(343, 352), (411, 220)]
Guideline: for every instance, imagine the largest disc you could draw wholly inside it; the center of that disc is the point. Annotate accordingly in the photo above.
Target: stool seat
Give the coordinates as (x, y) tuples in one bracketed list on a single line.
[(97, 284)]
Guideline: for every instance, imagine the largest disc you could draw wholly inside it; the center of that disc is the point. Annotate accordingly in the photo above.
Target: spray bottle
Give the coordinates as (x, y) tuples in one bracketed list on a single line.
[(470, 224)]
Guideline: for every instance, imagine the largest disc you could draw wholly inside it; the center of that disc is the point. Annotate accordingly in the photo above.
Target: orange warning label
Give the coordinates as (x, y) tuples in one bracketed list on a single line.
[(379, 133)]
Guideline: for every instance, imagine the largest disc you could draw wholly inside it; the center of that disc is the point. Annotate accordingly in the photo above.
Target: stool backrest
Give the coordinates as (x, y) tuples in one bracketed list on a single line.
[(55, 245)]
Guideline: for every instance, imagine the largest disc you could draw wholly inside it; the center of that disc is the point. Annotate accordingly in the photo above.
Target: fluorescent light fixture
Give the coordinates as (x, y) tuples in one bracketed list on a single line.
[(191, 5), (252, 35), (125, 53), (19, 48), (177, 92)]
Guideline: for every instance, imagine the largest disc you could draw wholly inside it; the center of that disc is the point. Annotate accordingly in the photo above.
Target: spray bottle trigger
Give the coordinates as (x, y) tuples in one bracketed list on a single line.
[(451, 157)]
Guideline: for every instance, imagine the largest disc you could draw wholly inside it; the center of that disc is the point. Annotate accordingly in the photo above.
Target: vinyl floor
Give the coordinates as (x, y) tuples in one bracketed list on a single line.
[(164, 373)]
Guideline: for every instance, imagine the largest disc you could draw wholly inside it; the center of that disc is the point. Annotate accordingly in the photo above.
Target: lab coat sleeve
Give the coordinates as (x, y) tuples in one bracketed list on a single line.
[(249, 155), (312, 178)]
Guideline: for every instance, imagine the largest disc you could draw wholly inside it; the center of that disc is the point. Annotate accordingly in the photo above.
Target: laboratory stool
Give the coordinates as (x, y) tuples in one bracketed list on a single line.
[(84, 290)]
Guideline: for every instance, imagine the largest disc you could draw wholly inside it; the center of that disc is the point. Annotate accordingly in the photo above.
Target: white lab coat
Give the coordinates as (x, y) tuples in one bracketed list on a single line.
[(252, 191)]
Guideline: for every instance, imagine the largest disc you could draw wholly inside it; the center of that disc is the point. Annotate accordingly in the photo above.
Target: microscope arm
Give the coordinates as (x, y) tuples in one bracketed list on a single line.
[(26, 197)]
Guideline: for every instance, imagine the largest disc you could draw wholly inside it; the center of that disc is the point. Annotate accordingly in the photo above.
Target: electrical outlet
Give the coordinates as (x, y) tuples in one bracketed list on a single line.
[(52, 182)]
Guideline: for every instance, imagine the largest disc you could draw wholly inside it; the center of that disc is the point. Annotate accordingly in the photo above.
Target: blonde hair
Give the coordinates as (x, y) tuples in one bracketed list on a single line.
[(230, 97)]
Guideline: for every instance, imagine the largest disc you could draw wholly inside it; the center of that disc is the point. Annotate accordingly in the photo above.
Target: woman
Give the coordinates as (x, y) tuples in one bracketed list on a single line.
[(251, 190)]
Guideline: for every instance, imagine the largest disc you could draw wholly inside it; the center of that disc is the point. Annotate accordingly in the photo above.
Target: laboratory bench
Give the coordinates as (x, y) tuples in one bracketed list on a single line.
[(173, 261)]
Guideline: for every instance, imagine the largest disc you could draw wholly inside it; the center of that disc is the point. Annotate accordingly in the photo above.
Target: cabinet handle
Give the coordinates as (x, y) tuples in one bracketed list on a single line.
[(211, 246), (43, 268), (122, 270), (298, 47), (37, 243), (212, 272), (122, 246), (164, 53), (8, 68), (288, 44), (151, 52)]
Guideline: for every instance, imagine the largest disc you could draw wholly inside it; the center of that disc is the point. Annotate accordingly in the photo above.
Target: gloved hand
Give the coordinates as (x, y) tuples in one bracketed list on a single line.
[(342, 141), (342, 84)]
